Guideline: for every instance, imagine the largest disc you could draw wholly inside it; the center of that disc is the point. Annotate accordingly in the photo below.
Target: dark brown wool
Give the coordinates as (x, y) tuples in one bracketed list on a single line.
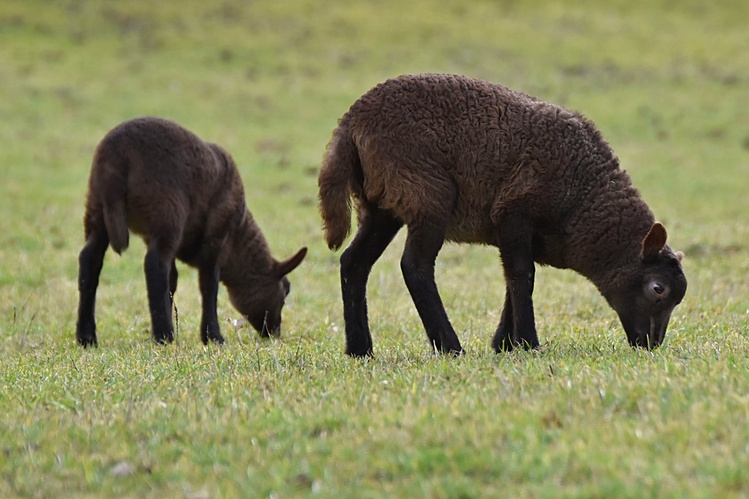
[(459, 159), (185, 198)]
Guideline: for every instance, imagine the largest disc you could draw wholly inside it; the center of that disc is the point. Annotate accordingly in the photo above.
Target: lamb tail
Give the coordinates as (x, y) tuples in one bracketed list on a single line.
[(115, 220), (335, 182), (112, 187)]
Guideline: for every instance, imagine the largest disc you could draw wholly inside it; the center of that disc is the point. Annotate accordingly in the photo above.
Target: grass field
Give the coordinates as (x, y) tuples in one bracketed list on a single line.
[(584, 416)]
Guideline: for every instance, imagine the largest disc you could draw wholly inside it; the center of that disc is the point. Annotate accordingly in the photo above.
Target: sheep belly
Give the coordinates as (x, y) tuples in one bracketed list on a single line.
[(470, 229)]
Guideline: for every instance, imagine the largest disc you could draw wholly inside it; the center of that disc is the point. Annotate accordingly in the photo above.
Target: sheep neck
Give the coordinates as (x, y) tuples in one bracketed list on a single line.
[(606, 231), (247, 257)]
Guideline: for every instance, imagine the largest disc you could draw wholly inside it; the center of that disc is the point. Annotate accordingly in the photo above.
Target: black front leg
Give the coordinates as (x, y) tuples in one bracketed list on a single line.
[(503, 341), (208, 273), (515, 246)]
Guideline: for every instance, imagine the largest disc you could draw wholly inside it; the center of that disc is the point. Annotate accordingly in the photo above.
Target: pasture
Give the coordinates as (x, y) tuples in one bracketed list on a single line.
[(585, 415)]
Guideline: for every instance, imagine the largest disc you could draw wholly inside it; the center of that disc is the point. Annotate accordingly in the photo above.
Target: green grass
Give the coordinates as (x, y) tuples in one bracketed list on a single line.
[(667, 82)]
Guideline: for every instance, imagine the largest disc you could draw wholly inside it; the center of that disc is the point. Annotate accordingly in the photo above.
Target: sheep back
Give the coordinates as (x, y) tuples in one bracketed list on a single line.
[(461, 152)]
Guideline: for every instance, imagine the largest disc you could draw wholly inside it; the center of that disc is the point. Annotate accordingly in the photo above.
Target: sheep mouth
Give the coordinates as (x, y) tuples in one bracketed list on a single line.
[(266, 327), (649, 335)]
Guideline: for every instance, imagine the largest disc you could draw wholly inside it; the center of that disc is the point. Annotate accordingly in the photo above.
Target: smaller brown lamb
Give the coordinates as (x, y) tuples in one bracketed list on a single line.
[(458, 159), (185, 198)]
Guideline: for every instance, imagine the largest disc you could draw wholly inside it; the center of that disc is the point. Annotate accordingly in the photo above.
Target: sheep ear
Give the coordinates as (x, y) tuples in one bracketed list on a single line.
[(291, 263), (653, 242)]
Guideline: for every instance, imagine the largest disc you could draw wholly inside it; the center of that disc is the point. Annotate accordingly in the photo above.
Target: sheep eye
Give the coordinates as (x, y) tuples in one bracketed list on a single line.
[(657, 288)]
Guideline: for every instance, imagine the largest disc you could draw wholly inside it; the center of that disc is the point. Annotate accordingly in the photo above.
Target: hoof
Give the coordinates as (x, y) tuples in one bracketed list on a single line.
[(453, 351), (86, 336), (164, 339), (502, 345), (363, 354), (507, 346), (88, 342), (216, 340)]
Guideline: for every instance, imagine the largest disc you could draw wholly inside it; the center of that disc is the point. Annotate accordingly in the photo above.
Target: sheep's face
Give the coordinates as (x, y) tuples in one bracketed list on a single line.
[(263, 306), (262, 302), (655, 286)]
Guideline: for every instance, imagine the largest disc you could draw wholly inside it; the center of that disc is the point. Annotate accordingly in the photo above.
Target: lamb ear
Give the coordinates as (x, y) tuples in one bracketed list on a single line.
[(292, 262), (653, 242)]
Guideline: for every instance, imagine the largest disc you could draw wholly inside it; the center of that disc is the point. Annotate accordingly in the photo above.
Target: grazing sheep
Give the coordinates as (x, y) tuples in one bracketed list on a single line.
[(464, 160), (185, 198)]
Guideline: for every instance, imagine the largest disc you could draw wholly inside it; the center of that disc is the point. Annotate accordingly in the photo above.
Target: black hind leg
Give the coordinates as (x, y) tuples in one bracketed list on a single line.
[(376, 230), (422, 246), (208, 274), (90, 262), (157, 266), (173, 278)]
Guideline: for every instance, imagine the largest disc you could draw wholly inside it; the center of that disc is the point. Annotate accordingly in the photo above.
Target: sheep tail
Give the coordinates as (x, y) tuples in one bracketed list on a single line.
[(111, 188), (115, 220), (337, 183)]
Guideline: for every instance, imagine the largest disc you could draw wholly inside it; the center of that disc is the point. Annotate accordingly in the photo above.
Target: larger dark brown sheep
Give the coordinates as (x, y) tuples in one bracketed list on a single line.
[(459, 159), (186, 199)]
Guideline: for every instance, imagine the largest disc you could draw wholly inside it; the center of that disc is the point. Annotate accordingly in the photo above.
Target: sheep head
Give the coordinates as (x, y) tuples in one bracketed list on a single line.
[(649, 290), (262, 300)]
